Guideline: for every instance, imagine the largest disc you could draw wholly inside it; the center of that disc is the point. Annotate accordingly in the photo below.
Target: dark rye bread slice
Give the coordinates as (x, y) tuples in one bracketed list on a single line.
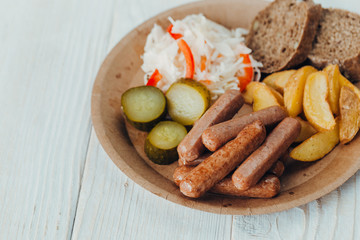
[(338, 42), (281, 35)]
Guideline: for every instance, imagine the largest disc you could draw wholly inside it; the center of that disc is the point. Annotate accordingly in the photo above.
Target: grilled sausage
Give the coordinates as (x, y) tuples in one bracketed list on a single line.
[(191, 147), (277, 168), (260, 161), (222, 162), (268, 186), (217, 135), (194, 162), (181, 172)]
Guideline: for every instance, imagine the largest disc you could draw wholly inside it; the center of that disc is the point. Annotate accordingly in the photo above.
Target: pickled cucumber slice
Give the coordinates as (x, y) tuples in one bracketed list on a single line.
[(162, 141), (144, 106), (187, 101)]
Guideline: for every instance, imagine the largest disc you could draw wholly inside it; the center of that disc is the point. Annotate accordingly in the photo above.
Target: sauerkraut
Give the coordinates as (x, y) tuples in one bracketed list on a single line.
[(217, 54)]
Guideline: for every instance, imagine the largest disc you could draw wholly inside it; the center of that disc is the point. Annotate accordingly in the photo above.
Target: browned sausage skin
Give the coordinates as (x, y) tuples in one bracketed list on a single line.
[(194, 162), (277, 168), (223, 161), (217, 135), (260, 161), (191, 147), (268, 186)]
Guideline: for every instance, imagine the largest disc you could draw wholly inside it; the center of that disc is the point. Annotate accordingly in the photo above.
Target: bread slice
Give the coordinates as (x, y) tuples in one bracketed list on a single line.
[(281, 35), (338, 42)]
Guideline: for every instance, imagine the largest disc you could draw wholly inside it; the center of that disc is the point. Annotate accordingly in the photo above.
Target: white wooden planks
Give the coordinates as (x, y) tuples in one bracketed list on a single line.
[(111, 206), (49, 55), (50, 52)]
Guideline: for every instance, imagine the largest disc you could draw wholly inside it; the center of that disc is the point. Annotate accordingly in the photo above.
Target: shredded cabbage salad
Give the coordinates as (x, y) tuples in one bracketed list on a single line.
[(219, 56)]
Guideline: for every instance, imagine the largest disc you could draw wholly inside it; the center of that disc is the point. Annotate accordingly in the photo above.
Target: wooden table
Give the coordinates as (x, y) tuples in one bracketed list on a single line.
[(56, 181)]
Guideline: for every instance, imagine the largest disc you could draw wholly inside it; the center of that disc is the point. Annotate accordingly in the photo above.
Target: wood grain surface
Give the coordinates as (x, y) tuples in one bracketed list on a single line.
[(56, 182)]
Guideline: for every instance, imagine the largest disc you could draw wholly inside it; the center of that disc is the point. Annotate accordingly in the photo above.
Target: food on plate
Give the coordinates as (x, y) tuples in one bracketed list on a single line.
[(306, 130), (267, 187), (277, 168), (264, 98), (317, 146), (349, 114), (217, 135), (223, 161), (278, 80), (162, 140), (196, 161), (282, 80), (144, 106), (316, 106), (196, 61), (181, 171), (261, 160), (337, 42), (187, 101), (281, 35), (294, 90), (344, 82), (253, 87), (196, 47), (223, 109), (248, 94), (334, 87)]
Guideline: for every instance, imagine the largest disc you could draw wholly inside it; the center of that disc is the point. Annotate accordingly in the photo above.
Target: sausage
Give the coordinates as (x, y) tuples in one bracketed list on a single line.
[(191, 147), (217, 135), (277, 168), (181, 172), (194, 162), (268, 186), (223, 161), (260, 161)]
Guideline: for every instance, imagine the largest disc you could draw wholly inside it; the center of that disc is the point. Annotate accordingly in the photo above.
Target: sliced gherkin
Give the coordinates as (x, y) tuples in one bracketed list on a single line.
[(162, 141), (187, 101), (144, 106)]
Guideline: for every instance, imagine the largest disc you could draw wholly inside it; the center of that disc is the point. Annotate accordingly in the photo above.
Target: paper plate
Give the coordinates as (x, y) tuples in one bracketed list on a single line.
[(301, 183)]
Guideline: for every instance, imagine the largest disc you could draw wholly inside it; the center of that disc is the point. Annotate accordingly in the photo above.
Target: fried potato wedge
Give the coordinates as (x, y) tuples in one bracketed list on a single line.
[(251, 87), (344, 82), (333, 73), (270, 80), (278, 96), (349, 114), (317, 146), (294, 90), (282, 79), (306, 130), (248, 94), (264, 98), (316, 106)]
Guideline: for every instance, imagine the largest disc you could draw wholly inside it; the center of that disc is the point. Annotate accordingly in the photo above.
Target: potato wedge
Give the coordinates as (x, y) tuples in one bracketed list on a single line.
[(349, 114), (282, 79), (248, 94), (278, 96), (333, 73), (344, 82), (306, 130), (317, 146), (264, 98), (316, 107), (294, 90), (270, 80)]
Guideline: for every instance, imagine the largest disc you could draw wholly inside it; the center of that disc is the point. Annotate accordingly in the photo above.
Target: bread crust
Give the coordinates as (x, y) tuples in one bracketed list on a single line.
[(349, 66), (304, 41)]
